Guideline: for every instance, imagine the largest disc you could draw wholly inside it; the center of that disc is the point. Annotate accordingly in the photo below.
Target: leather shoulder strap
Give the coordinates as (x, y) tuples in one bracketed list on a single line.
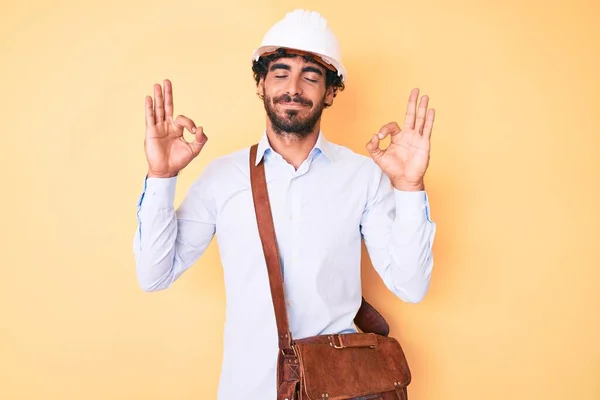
[(266, 230), (367, 319)]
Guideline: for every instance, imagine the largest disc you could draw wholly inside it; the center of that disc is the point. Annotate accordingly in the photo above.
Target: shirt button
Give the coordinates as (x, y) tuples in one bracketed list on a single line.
[(291, 218)]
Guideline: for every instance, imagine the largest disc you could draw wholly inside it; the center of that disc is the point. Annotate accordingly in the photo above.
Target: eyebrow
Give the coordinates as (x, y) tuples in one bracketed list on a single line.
[(279, 66), (288, 68), (312, 69)]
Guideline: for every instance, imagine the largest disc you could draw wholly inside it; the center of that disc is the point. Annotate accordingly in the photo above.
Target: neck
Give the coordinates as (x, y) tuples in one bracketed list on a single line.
[(293, 149)]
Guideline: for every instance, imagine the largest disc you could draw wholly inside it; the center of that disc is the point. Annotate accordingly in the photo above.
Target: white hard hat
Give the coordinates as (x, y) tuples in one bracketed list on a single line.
[(306, 31)]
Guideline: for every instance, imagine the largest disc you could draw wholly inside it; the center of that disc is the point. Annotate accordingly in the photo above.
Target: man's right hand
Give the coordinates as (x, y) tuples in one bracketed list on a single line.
[(167, 151)]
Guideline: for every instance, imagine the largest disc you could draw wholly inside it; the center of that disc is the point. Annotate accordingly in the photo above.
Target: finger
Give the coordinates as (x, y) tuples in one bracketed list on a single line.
[(149, 112), (168, 99), (391, 128), (159, 106), (184, 122), (200, 140), (429, 123), (421, 114), (373, 148), (409, 121)]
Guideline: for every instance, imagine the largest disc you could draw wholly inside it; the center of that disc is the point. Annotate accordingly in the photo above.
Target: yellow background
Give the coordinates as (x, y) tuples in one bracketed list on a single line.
[(514, 308)]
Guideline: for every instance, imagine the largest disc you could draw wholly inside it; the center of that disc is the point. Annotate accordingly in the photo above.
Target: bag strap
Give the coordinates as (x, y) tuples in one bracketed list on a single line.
[(367, 318), (266, 230)]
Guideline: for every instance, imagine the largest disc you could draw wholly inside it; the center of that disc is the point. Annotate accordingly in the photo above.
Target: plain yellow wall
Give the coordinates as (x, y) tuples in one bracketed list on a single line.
[(514, 308)]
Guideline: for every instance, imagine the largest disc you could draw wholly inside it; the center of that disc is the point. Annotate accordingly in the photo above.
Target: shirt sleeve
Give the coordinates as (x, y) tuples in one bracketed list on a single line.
[(169, 241), (399, 233)]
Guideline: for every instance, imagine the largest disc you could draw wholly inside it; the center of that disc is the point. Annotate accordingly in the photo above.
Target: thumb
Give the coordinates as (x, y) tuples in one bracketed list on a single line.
[(199, 141), (373, 148)]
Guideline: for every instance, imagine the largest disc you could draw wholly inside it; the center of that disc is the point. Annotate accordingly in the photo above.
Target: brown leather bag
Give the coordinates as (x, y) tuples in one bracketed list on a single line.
[(367, 365)]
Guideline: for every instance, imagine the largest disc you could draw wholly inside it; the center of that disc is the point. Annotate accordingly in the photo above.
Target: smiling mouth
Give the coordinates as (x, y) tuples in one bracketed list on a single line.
[(292, 105)]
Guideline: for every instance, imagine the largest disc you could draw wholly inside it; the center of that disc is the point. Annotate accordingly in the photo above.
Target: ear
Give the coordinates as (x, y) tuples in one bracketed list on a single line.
[(261, 88), (329, 95)]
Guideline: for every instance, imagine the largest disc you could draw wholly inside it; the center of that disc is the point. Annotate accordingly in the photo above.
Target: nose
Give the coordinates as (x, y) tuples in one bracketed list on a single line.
[(294, 87)]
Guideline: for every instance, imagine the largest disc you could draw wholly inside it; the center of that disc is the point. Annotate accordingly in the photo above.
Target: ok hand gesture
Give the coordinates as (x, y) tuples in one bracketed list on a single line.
[(167, 152), (406, 159)]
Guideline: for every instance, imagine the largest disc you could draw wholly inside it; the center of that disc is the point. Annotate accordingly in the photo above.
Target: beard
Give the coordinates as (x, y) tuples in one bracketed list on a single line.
[(290, 121)]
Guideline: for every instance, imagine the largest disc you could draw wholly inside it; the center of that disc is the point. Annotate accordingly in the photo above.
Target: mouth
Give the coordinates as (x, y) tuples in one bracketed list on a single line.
[(292, 104)]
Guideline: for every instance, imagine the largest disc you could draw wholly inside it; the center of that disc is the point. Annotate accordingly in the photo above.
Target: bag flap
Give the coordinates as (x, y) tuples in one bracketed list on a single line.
[(351, 365)]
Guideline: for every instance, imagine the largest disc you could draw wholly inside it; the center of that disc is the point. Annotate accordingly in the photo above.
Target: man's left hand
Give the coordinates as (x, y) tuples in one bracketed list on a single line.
[(406, 159)]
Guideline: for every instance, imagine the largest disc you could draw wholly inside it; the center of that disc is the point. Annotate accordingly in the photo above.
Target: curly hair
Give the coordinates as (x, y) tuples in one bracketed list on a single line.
[(260, 68)]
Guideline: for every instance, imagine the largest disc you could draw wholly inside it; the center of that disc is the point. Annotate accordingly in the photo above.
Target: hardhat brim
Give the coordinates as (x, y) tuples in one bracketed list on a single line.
[(326, 61)]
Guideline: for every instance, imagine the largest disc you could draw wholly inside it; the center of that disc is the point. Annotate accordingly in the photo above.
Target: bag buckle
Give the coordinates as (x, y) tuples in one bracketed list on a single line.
[(294, 351), (332, 341)]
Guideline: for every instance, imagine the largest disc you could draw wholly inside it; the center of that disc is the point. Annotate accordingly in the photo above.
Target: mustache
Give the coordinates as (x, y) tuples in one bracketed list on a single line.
[(286, 98)]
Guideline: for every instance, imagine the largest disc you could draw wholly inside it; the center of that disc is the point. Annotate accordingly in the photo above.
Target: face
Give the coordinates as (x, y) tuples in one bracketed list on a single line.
[(294, 95)]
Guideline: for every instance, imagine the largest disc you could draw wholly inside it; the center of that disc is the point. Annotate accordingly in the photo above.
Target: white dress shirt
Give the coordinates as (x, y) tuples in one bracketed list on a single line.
[(321, 212)]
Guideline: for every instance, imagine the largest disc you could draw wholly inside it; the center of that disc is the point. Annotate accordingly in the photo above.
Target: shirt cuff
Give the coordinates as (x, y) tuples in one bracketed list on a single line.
[(411, 205), (158, 193)]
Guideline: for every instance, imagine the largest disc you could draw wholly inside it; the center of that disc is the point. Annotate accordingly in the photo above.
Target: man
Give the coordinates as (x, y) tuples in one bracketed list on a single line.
[(325, 199)]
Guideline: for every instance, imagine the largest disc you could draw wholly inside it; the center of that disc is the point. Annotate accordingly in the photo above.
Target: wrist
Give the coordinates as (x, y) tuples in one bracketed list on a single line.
[(409, 186), (166, 175)]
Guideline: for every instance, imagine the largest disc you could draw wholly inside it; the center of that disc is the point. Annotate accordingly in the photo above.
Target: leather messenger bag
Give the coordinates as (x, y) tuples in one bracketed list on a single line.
[(366, 365)]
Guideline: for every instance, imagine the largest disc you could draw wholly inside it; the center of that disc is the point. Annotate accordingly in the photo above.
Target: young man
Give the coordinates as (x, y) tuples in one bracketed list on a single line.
[(325, 199)]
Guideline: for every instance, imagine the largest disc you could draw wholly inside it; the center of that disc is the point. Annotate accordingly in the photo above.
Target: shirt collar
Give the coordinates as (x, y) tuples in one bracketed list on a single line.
[(322, 145)]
